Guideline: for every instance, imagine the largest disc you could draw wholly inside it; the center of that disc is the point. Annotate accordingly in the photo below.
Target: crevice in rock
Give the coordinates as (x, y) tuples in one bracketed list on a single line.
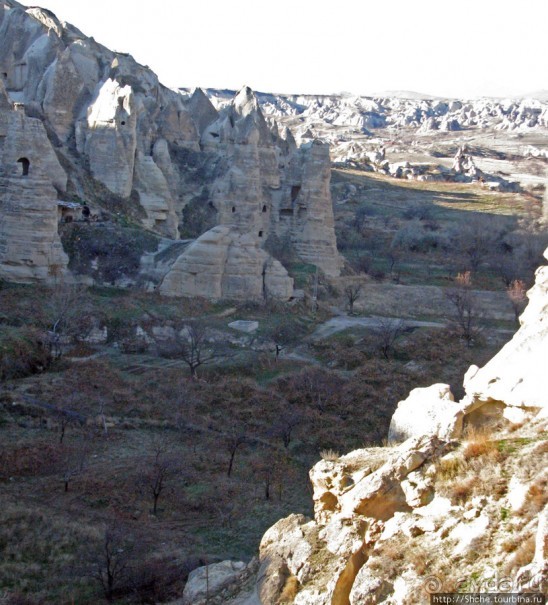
[(343, 587)]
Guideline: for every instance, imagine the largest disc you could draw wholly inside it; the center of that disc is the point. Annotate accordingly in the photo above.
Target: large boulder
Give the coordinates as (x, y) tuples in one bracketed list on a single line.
[(427, 411), (208, 581)]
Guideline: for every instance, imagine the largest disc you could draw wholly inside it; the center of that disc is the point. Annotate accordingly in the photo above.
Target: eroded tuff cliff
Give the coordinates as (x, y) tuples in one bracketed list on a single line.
[(457, 503), (30, 248), (124, 142)]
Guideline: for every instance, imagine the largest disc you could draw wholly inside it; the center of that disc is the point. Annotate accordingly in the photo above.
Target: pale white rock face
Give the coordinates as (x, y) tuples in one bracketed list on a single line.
[(224, 264), (273, 188), (69, 79), (111, 137), (380, 494), (516, 376), (312, 222), (26, 138), (367, 588), (427, 411), (30, 248), (155, 196), (111, 119), (466, 534)]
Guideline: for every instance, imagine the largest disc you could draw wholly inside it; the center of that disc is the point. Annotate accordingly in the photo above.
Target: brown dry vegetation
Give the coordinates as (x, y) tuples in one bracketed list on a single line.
[(92, 428), (85, 437)]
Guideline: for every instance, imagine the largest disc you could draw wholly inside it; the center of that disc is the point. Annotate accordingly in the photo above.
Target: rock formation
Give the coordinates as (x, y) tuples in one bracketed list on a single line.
[(396, 524), (516, 376), (126, 142), (30, 248), (272, 188)]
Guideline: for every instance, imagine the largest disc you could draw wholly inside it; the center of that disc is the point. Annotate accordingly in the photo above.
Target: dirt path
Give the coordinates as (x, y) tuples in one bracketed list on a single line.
[(343, 322)]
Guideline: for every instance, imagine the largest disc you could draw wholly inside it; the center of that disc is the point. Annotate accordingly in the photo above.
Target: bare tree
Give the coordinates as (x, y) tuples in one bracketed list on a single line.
[(66, 310), (287, 330), (64, 419), (516, 292), (478, 238), (363, 263), (285, 426), (113, 560), (352, 293), (234, 439), (272, 468), (102, 416), (389, 330), (464, 304), (191, 345), (158, 471), (73, 462), (314, 386)]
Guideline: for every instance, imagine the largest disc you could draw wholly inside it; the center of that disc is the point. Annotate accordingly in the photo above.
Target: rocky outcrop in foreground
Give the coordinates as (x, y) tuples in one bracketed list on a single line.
[(99, 128), (457, 503)]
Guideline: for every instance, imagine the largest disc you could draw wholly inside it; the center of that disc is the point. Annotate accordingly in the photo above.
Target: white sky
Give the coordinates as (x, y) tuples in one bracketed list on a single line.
[(461, 49)]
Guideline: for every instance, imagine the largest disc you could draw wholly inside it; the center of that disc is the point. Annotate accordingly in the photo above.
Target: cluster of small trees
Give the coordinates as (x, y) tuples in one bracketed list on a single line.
[(490, 243)]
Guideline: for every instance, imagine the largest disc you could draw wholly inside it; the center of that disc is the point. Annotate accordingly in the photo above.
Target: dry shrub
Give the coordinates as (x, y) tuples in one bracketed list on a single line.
[(29, 459), (461, 491), (290, 590), (449, 468), (387, 560), (536, 498), (159, 579), (419, 558), (510, 545), (522, 556), (479, 444), (23, 351), (476, 449), (330, 455)]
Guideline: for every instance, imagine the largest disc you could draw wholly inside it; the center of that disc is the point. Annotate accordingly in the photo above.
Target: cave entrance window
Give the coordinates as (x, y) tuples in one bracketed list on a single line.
[(5, 75), (264, 208), (295, 190), (123, 122), (260, 233), (233, 208), (25, 165), (286, 212)]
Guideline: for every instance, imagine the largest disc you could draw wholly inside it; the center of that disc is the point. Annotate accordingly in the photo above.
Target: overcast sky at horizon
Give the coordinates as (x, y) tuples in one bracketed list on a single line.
[(466, 49)]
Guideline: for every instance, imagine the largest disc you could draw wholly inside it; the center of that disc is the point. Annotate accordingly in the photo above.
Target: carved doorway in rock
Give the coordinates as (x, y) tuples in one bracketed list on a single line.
[(25, 165)]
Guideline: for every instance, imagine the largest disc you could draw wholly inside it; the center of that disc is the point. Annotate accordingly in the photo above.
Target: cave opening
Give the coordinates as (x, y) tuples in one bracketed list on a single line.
[(295, 190), (25, 166)]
